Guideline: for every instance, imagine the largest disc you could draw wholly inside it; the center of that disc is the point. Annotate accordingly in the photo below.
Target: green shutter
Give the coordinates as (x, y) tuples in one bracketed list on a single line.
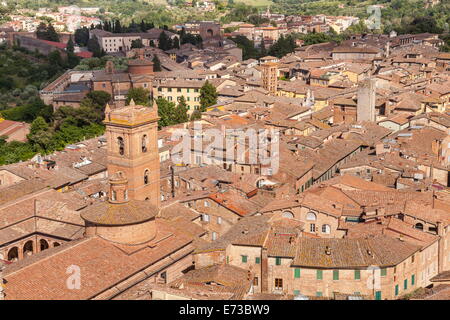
[(296, 292), (319, 275), (413, 279), (228, 259), (383, 272), (244, 259), (318, 293), (257, 260), (297, 273), (357, 274), (335, 274), (278, 261), (396, 289), (378, 295), (405, 284)]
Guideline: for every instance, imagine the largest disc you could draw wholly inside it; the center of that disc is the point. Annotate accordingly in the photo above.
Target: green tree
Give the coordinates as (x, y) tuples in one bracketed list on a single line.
[(140, 96), (94, 47), (164, 42), (70, 45), (82, 36), (248, 47), (181, 111), (137, 44), (156, 64), (208, 96), (166, 112), (40, 136), (51, 33)]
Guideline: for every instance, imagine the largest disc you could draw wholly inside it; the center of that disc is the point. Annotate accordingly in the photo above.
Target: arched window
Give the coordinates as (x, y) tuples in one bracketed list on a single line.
[(146, 174), (288, 214), (419, 226), (56, 244), (326, 228), (13, 254), (144, 143), (113, 195), (43, 244), (28, 248), (311, 216), (125, 194), (121, 145)]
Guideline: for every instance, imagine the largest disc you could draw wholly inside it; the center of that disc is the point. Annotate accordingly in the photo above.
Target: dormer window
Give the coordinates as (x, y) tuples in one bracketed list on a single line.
[(121, 145)]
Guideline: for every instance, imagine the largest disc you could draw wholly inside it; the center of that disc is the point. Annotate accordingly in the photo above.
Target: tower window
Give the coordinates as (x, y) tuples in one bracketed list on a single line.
[(121, 145), (146, 177), (113, 196), (144, 143)]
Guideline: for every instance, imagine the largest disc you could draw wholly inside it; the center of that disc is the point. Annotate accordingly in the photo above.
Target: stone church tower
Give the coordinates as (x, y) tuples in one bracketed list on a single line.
[(132, 134), (270, 77), (128, 216)]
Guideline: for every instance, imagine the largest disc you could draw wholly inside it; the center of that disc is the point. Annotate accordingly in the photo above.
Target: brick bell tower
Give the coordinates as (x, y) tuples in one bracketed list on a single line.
[(132, 134)]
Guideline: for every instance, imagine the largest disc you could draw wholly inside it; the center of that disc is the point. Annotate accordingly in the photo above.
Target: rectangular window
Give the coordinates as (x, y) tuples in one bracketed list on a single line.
[(396, 289), (178, 89), (278, 261), (219, 220), (297, 273), (413, 279), (257, 260), (318, 293), (278, 284), (405, 284), (255, 281), (244, 259), (169, 89), (357, 274), (378, 295), (319, 275), (312, 227), (296, 292), (383, 272), (335, 274)]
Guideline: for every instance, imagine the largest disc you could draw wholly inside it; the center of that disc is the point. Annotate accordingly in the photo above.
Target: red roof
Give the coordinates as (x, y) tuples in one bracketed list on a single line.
[(61, 45), (55, 44), (84, 54)]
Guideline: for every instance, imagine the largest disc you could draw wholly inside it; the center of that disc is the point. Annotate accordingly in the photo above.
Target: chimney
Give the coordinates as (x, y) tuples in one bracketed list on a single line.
[(365, 109), (264, 271)]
